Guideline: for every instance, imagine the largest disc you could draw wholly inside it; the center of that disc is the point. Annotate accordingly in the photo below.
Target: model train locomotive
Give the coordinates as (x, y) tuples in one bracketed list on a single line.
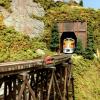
[(68, 45)]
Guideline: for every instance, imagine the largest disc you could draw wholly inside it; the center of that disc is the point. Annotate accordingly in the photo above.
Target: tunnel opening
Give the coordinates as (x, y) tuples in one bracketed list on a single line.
[(67, 35)]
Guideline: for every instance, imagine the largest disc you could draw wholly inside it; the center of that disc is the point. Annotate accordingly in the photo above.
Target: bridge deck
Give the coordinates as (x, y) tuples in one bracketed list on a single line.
[(18, 66)]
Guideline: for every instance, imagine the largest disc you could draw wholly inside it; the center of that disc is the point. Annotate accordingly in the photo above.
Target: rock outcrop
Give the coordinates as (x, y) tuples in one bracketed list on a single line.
[(20, 18)]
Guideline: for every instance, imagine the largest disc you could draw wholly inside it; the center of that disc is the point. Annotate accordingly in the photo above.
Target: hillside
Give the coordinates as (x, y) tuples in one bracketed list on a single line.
[(14, 45), (86, 78)]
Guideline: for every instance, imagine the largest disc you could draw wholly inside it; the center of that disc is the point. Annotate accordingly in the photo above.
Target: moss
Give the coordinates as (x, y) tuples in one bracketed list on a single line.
[(5, 3)]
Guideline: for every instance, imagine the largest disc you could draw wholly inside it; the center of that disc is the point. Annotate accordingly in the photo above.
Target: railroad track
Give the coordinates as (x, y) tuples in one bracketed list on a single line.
[(8, 68), (38, 78)]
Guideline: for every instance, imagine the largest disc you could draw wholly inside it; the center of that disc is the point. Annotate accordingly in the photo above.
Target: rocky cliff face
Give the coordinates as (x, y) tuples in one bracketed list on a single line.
[(20, 17)]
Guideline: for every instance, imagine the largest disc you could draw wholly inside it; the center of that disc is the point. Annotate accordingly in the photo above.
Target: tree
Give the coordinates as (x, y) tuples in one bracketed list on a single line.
[(89, 51), (54, 43), (79, 48), (81, 3)]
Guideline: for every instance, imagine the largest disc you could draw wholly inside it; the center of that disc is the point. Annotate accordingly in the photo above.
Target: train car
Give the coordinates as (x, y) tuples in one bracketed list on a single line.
[(68, 45)]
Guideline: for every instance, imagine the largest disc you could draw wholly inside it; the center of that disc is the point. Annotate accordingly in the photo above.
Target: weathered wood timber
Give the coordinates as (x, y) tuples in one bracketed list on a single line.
[(37, 80), (8, 68)]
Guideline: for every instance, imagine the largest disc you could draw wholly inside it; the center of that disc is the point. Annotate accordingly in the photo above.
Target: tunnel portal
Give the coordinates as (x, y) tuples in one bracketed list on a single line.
[(73, 29)]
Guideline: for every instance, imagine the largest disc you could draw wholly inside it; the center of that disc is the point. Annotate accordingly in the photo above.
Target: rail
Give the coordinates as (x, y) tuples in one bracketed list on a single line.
[(24, 80), (16, 67)]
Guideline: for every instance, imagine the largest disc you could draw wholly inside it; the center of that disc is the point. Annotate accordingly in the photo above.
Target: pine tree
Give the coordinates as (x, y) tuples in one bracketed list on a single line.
[(54, 43), (79, 48), (81, 3), (90, 44)]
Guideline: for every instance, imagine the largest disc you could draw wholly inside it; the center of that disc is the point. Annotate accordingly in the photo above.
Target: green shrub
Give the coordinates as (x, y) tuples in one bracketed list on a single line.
[(79, 48), (46, 4), (86, 78), (81, 3), (16, 46), (5, 3), (90, 50), (54, 42)]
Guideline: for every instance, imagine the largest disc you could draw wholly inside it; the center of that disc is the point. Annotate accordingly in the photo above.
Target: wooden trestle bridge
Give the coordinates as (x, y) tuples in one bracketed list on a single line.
[(35, 80)]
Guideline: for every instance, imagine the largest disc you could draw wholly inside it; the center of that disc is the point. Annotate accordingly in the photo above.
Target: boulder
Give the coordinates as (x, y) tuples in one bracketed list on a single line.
[(20, 18), (40, 52)]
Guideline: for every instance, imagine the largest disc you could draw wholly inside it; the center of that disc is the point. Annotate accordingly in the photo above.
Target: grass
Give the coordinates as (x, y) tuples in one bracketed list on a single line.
[(87, 81)]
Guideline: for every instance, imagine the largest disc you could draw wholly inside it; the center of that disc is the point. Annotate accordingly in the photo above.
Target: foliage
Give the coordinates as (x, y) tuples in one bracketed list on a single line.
[(16, 46), (46, 4), (79, 48), (5, 3), (54, 42), (90, 44), (86, 78), (1, 21), (59, 4), (72, 2), (77, 13), (97, 30), (81, 3)]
